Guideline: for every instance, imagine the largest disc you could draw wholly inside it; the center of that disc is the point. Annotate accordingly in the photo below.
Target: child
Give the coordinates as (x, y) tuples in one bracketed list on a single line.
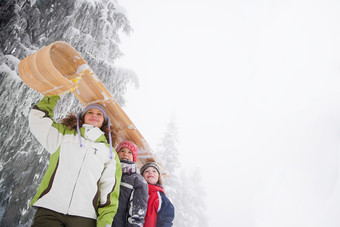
[(160, 211), (133, 195), (80, 185)]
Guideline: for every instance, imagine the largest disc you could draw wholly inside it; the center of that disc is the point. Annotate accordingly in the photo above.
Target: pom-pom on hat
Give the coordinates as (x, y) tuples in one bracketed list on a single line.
[(106, 119), (130, 145)]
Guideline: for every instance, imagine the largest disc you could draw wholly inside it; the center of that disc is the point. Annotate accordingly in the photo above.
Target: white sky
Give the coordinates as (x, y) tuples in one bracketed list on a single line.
[(255, 87)]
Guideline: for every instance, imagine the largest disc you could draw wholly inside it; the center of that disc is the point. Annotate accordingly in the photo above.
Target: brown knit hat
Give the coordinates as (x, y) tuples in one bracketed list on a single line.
[(150, 164), (154, 165)]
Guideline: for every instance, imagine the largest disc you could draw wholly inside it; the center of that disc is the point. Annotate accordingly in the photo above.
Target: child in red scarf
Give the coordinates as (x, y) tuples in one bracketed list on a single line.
[(160, 212)]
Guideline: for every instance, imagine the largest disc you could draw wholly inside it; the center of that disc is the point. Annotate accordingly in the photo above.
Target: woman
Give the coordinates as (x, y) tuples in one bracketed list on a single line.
[(81, 184)]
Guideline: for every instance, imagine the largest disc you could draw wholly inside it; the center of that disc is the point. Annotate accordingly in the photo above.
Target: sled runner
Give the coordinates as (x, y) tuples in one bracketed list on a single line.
[(58, 68)]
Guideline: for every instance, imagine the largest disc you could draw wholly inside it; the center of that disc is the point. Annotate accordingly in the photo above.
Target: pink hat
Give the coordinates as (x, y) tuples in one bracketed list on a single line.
[(130, 145)]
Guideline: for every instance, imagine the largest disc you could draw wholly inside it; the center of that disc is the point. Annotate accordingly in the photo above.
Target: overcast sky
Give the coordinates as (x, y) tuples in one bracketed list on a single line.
[(255, 88)]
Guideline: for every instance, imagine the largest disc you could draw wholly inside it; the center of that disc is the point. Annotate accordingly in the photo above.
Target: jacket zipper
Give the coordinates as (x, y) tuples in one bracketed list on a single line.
[(74, 187)]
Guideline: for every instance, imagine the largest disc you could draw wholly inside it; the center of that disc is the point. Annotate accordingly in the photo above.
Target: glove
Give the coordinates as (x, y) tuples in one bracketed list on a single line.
[(61, 96)]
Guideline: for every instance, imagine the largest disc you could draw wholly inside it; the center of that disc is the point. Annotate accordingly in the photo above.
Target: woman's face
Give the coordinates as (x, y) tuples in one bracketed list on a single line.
[(94, 117), (125, 153), (151, 175)]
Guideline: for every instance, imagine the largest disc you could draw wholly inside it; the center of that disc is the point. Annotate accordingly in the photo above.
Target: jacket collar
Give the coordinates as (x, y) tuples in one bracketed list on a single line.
[(92, 133), (128, 167), (155, 188)]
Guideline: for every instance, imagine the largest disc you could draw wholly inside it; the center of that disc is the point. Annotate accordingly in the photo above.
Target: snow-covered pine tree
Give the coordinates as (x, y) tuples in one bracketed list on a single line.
[(194, 199), (167, 153), (185, 192), (167, 149), (93, 29)]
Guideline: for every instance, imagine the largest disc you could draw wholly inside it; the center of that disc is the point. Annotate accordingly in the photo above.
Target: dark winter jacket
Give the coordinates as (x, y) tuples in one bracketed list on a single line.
[(133, 197), (160, 212)]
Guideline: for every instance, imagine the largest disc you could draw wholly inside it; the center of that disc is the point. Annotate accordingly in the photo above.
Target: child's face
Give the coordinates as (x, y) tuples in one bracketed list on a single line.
[(125, 153), (94, 117), (151, 175)]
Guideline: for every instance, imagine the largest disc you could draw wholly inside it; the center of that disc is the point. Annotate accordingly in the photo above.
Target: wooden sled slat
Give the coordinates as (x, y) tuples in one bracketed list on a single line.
[(58, 68)]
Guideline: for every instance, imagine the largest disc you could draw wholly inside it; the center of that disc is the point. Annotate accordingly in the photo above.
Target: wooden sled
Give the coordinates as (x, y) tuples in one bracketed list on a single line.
[(58, 68)]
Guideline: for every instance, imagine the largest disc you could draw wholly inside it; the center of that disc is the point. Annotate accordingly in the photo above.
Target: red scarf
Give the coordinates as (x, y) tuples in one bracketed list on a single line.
[(154, 205)]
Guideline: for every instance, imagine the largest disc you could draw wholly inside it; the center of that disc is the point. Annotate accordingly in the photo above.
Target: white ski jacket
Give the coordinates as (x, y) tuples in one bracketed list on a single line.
[(81, 181)]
